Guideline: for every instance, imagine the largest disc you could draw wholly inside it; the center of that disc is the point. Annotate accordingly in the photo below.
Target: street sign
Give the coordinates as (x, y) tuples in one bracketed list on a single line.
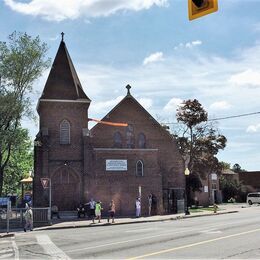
[(198, 8), (45, 182)]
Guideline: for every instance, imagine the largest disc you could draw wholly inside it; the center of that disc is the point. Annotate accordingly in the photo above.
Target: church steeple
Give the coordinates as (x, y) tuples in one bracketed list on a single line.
[(63, 82)]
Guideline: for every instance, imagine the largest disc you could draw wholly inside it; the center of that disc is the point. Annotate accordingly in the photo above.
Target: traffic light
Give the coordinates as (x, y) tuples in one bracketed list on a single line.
[(198, 8)]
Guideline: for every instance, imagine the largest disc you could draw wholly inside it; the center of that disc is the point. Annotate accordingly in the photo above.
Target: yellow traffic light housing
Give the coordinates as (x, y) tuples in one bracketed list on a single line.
[(198, 8)]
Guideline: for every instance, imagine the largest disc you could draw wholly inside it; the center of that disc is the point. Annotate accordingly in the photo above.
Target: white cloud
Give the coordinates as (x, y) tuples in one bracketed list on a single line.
[(191, 44), (172, 105), (253, 128), (146, 102), (188, 45), (247, 77), (71, 9), (220, 105), (154, 57), (54, 38), (103, 107)]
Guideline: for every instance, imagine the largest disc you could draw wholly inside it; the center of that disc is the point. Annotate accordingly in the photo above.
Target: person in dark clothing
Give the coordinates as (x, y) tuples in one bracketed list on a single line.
[(55, 211), (81, 210)]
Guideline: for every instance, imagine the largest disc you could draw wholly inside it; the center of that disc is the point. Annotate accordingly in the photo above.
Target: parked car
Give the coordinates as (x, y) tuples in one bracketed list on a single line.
[(253, 198)]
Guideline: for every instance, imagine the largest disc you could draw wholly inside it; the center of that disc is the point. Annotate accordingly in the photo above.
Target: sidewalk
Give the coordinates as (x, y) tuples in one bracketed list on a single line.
[(79, 223)]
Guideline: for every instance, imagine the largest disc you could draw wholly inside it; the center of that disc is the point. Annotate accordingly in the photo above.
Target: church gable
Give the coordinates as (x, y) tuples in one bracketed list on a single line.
[(141, 132)]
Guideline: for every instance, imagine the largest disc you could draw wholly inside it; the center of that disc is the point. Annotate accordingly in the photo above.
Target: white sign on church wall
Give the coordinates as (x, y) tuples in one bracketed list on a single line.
[(116, 165), (214, 176)]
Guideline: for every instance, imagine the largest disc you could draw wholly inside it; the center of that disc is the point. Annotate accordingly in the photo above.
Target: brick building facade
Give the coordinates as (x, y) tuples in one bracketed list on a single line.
[(106, 162)]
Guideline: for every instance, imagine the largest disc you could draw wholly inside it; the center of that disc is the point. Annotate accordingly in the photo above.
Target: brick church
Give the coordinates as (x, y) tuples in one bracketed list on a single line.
[(108, 161)]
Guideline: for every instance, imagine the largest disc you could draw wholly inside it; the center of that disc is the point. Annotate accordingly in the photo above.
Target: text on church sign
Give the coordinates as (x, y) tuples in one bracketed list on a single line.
[(116, 165)]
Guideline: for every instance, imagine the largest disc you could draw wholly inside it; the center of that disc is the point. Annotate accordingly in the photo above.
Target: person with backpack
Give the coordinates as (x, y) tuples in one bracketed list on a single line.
[(28, 216), (92, 206)]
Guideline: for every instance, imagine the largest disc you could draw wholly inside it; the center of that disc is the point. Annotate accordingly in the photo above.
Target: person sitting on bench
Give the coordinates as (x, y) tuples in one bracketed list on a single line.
[(81, 210), (55, 211)]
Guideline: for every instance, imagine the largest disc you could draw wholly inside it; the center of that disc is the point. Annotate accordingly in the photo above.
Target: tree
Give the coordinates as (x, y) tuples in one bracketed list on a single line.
[(237, 168), (19, 164), (22, 61), (231, 188), (199, 141), (225, 165)]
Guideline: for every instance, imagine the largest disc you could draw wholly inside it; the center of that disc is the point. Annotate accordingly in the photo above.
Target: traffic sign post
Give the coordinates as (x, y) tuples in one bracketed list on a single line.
[(46, 183), (8, 214)]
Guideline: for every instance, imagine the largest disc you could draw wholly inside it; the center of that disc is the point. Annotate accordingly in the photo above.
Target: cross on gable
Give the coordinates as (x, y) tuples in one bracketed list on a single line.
[(128, 87)]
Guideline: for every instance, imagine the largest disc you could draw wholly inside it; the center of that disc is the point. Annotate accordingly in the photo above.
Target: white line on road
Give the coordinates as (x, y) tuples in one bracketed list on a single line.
[(50, 248), (16, 251), (194, 244), (140, 230), (7, 250), (214, 226), (211, 231), (5, 256)]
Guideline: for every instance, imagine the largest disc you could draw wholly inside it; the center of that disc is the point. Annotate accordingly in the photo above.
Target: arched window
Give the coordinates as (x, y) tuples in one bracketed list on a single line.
[(117, 140), (139, 168), (141, 141), (130, 139), (65, 132)]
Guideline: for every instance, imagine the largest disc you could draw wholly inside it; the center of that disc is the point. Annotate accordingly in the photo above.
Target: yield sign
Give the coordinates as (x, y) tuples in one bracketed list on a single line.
[(45, 182)]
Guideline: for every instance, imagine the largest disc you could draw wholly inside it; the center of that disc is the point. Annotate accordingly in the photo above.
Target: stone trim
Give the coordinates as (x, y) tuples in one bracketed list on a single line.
[(125, 149)]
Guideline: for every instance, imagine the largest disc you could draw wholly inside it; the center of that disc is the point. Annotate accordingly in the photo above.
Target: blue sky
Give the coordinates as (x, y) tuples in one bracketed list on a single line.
[(151, 45)]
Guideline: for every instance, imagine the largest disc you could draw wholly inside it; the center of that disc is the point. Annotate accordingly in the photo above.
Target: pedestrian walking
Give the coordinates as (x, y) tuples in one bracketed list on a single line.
[(28, 216), (98, 209), (150, 200), (111, 211), (138, 207), (92, 205)]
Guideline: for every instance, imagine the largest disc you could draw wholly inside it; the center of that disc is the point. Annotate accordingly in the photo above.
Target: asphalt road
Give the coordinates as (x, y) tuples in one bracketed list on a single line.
[(234, 236)]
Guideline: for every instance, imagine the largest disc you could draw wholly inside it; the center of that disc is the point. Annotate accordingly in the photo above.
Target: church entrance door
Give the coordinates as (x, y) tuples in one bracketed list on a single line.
[(65, 189)]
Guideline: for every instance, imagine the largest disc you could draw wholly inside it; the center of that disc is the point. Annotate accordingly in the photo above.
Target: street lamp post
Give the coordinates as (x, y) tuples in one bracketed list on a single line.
[(187, 173)]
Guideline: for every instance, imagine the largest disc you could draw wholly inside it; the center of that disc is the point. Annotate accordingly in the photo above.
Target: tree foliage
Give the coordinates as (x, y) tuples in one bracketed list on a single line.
[(231, 188), (199, 141), (22, 61), (237, 168), (19, 164)]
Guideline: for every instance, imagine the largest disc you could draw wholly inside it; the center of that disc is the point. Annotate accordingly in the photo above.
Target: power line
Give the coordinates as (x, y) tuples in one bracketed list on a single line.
[(220, 118), (228, 117)]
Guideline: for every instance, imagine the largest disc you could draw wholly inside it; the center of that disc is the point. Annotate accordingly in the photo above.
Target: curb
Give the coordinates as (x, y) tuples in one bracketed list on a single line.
[(6, 235), (132, 222)]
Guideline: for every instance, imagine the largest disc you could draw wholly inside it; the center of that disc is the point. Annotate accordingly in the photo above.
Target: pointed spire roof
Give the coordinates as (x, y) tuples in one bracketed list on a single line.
[(63, 82)]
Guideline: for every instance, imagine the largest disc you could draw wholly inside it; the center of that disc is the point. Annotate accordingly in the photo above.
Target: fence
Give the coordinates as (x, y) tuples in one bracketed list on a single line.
[(14, 218)]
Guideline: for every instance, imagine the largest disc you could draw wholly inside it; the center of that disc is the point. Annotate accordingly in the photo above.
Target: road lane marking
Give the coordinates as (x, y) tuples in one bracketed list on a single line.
[(126, 241), (141, 230), (16, 251), (7, 250), (50, 248), (211, 231), (146, 237), (5, 253), (5, 256), (194, 244)]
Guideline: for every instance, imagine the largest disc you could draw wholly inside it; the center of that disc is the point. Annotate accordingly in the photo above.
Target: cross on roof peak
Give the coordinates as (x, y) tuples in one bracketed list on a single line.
[(128, 89), (62, 36)]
